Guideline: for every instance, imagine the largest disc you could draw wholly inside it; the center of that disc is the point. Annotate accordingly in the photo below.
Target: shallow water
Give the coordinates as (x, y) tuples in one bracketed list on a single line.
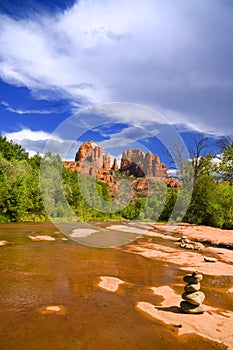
[(34, 275)]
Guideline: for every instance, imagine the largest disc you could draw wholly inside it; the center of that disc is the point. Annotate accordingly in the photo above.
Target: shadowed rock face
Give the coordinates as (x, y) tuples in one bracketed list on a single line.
[(140, 164), (91, 160)]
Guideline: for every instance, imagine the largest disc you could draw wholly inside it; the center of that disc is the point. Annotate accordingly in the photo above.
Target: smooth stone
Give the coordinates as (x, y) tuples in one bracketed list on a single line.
[(208, 259), (191, 309), (190, 279), (198, 275), (195, 298), (187, 246), (192, 287)]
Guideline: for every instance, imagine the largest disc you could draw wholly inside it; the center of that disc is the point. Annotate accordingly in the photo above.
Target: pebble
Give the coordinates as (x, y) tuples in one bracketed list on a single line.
[(208, 259)]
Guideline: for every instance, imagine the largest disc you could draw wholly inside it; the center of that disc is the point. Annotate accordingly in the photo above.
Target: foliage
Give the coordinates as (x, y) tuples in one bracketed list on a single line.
[(12, 151), (37, 188), (225, 167)]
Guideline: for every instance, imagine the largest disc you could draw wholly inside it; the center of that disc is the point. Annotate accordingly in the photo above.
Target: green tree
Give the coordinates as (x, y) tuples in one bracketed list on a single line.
[(11, 150), (225, 167), (199, 211)]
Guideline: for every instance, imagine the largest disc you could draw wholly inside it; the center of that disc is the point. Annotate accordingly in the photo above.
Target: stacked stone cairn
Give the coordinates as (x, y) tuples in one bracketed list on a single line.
[(193, 297)]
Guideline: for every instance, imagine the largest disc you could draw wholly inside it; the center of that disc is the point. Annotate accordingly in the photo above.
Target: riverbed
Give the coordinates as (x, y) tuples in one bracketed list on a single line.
[(58, 294)]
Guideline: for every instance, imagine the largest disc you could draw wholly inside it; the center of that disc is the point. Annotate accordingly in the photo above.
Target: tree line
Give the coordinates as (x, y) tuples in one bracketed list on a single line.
[(203, 197)]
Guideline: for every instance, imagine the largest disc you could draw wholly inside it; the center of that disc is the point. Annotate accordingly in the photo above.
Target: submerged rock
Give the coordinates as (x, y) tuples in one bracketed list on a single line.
[(41, 238)]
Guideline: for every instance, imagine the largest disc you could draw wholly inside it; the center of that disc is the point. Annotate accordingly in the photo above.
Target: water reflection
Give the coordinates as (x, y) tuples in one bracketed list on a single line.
[(34, 275)]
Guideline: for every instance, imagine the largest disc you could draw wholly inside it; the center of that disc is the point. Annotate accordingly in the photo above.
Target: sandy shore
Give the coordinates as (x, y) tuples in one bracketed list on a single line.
[(212, 324), (110, 284)]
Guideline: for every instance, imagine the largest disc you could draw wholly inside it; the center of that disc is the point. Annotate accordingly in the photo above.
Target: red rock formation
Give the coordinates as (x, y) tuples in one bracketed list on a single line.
[(90, 160), (107, 162), (114, 165), (140, 164)]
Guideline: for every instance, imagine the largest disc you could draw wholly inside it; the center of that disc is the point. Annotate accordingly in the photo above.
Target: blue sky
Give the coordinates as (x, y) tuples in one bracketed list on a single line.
[(60, 57)]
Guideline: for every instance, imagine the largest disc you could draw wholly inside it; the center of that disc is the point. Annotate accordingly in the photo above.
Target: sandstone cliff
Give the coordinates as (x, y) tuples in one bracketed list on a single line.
[(140, 164), (91, 160)]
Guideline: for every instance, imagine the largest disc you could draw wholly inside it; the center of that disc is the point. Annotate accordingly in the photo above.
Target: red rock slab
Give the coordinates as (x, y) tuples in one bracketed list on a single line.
[(187, 260), (200, 233), (211, 324)]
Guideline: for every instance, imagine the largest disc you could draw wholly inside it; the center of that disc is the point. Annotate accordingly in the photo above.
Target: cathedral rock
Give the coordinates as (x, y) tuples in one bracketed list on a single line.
[(91, 160)]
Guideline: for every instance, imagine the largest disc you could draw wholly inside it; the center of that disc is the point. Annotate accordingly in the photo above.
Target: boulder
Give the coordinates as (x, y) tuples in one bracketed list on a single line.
[(191, 309), (194, 298)]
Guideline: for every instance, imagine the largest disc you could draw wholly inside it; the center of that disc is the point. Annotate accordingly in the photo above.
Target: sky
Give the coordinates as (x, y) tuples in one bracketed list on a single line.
[(124, 73)]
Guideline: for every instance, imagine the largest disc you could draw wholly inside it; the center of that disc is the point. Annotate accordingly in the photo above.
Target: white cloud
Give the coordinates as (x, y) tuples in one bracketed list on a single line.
[(125, 137), (23, 111), (172, 172), (27, 134), (169, 56), (40, 141)]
